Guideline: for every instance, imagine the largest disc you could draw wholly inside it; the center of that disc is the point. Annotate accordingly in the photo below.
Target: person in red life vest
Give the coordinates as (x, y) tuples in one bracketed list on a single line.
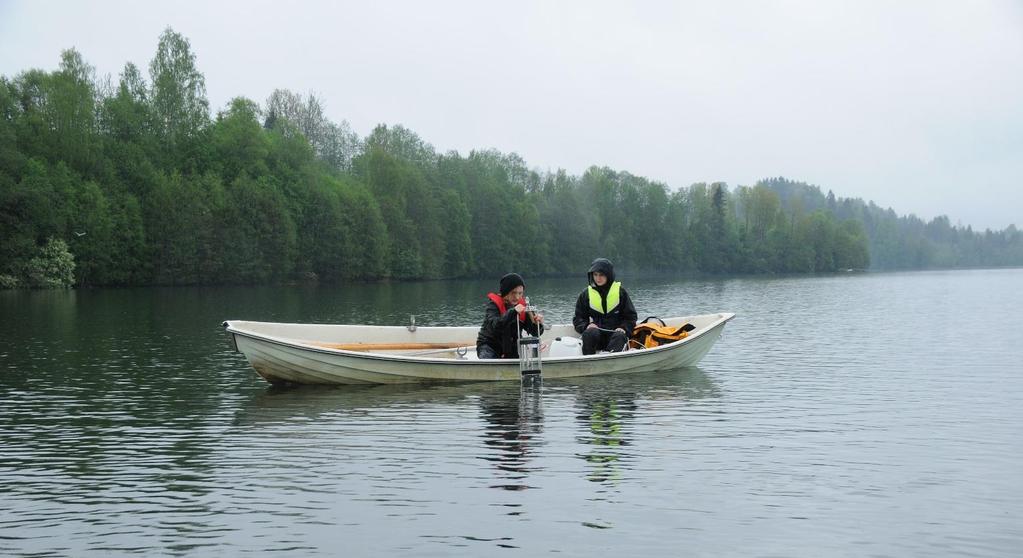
[(505, 316), (604, 313)]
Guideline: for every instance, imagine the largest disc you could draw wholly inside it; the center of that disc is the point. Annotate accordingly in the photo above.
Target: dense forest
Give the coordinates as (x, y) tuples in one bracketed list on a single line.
[(136, 182)]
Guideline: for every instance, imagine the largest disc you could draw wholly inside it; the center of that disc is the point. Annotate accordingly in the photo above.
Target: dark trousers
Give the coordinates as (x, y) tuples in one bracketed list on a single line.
[(485, 351), (596, 340)]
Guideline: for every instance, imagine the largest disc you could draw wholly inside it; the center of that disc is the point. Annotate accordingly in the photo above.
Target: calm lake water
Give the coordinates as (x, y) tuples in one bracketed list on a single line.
[(852, 415)]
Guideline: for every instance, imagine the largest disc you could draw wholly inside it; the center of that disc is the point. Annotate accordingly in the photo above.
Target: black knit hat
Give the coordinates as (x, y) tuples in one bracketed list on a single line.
[(510, 281)]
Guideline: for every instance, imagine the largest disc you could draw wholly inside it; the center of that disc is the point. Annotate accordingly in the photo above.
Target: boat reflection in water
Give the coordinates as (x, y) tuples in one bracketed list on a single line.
[(513, 431), (520, 430), (604, 419)]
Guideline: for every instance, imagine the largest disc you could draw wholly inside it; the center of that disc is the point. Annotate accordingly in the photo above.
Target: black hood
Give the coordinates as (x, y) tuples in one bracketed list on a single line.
[(604, 266)]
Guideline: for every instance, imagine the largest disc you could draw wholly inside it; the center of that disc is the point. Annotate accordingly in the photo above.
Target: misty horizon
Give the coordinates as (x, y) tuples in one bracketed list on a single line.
[(913, 107)]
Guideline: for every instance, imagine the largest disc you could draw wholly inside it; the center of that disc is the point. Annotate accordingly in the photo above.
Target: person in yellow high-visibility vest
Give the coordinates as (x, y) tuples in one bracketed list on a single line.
[(604, 313)]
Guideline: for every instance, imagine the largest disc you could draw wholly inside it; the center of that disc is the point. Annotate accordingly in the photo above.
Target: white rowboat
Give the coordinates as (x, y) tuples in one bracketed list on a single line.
[(363, 354)]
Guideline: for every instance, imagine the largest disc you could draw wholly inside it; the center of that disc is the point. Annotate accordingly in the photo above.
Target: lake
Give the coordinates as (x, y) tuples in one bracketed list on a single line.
[(847, 415)]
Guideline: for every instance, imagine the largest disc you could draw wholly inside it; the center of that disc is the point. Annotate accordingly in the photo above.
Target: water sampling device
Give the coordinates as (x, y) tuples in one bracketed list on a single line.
[(530, 365)]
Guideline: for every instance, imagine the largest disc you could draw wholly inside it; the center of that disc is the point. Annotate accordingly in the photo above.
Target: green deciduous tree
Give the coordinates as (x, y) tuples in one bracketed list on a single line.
[(53, 267), (142, 187), (178, 101)]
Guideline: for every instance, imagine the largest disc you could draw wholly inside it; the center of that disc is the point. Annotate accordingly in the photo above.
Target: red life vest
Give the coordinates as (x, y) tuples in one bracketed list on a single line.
[(499, 301)]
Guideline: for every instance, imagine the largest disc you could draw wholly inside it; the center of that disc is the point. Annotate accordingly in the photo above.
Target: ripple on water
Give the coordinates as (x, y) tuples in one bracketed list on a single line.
[(854, 415)]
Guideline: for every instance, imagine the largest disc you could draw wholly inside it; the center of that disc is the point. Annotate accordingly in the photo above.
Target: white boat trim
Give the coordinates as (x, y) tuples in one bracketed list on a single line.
[(288, 353)]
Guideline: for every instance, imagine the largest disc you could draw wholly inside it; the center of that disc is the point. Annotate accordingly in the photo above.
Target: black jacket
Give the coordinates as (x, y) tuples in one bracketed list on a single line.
[(623, 315), (499, 331)]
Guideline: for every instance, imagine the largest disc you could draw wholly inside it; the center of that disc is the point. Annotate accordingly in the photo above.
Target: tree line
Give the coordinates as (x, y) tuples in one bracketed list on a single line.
[(137, 183)]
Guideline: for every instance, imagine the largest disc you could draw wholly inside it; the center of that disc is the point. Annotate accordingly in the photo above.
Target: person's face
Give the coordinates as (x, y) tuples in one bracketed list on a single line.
[(515, 295), (599, 278)]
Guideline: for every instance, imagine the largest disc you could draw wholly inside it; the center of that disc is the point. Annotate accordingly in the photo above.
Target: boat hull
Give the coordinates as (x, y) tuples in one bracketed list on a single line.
[(299, 357)]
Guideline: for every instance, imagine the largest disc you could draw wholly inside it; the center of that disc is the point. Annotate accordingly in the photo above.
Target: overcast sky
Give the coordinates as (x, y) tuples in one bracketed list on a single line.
[(917, 105)]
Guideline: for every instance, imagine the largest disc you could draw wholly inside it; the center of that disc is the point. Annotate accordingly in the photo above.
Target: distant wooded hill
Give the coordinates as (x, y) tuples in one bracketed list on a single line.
[(136, 183)]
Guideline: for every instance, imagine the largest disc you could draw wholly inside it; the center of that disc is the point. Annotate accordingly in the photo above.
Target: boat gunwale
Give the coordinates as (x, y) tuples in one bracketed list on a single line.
[(724, 317)]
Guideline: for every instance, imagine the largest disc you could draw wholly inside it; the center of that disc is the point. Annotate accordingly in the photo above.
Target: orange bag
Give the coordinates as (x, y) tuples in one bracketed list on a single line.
[(650, 335)]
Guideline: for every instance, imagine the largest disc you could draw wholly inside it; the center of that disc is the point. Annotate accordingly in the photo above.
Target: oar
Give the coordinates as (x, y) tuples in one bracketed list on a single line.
[(391, 346), (433, 351)]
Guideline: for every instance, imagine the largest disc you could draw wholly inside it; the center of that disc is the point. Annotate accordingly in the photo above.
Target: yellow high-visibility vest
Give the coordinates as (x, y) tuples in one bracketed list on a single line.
[(612, 298)]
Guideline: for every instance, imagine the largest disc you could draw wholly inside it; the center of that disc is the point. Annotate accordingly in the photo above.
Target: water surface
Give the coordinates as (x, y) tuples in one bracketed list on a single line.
[(850, 415)]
